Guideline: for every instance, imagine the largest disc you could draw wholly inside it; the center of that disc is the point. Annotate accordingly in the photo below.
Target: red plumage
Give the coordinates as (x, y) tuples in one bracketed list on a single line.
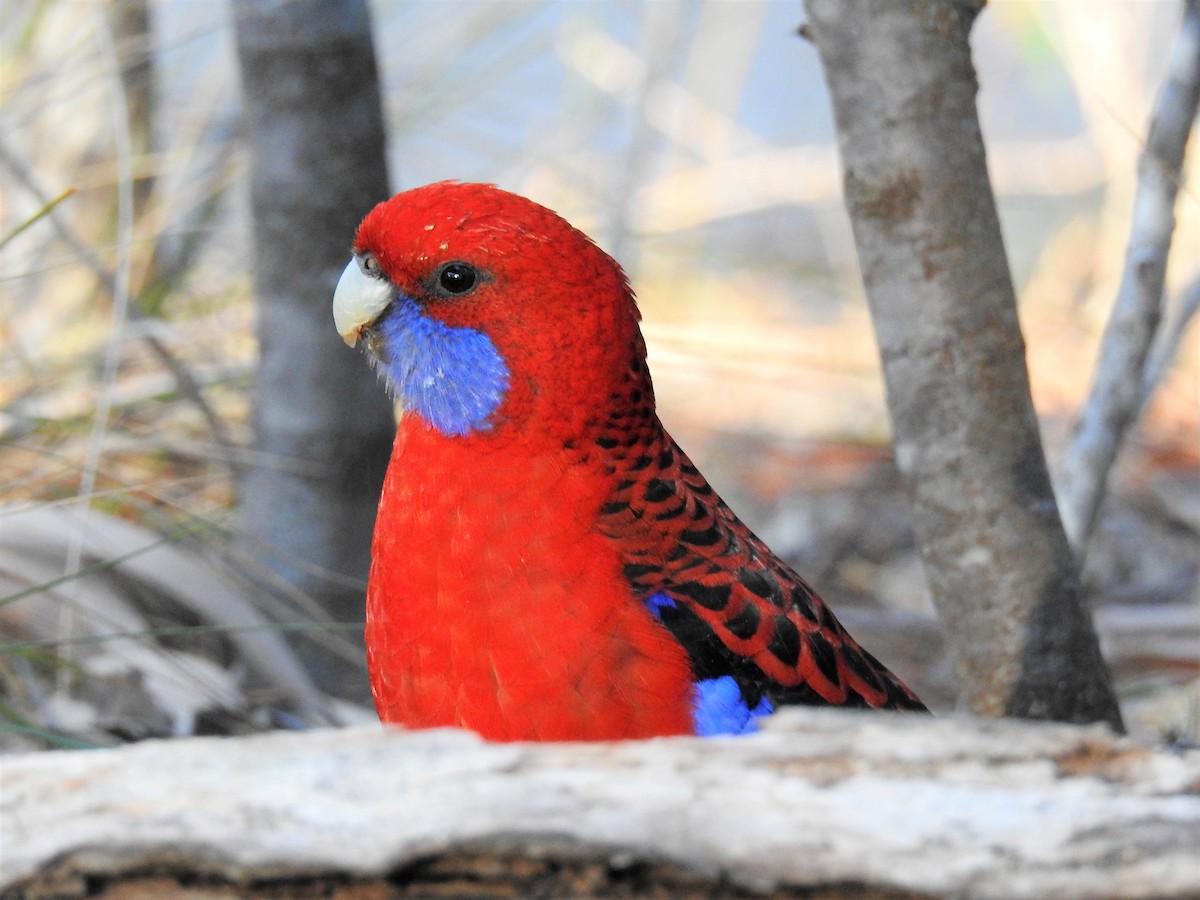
[(560, 570), (497, 605)]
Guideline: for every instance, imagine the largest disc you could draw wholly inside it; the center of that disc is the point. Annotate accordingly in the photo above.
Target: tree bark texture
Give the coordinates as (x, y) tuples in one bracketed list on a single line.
[(1001, 573), (829, 803), (324, 427)]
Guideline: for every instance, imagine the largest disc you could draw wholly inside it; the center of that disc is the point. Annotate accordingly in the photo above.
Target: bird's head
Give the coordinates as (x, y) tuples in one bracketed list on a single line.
[(483, 309)]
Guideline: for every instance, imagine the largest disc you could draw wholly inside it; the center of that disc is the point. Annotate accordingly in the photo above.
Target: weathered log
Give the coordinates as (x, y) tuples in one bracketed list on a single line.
[(845, 803)]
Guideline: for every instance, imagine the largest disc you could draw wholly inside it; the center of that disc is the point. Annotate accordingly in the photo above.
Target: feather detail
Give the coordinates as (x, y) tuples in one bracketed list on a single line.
[(738, 609), (453, 377)]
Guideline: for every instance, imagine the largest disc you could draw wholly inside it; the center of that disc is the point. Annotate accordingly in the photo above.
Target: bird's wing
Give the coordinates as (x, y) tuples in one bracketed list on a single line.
[(741, 613)]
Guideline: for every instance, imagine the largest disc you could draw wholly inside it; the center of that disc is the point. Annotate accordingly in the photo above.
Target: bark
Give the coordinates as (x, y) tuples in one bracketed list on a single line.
[(1001, 573), (1168, 340), (848, 804), (323, 426)]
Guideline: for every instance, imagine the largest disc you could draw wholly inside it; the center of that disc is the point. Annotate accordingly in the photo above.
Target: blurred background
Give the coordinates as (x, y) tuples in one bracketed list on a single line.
[(694, 141)]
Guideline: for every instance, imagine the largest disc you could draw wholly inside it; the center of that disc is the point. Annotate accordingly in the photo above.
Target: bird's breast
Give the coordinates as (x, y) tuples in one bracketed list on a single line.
[(496, 604)]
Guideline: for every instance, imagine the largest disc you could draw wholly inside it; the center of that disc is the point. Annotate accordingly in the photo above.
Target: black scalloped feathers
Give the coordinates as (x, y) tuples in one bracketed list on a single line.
[(739, 610)]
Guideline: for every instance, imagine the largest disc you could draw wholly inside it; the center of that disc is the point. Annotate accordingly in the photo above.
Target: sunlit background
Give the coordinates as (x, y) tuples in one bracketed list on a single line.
[(694, 142)]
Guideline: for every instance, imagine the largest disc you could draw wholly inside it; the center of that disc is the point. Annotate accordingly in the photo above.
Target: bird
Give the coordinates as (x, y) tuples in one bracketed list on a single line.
[(547, 563)]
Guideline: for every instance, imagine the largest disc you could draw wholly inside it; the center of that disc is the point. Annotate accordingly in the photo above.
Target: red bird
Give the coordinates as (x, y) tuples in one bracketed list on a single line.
[(547, 563)]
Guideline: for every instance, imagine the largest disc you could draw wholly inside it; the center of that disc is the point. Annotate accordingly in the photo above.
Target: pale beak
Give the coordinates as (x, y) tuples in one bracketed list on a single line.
[(358, 301)]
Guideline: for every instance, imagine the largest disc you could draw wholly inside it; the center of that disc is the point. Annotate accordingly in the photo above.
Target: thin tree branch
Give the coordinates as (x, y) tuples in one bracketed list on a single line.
[(1117, 390), (1167, 343), (123, 152)]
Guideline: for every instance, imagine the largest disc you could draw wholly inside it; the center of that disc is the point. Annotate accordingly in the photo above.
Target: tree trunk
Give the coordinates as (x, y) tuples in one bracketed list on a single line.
[(323, 426), (828, 803), (1001, 573)]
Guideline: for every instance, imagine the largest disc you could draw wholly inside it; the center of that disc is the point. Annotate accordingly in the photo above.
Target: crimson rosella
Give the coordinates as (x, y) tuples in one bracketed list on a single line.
[(547, 563)]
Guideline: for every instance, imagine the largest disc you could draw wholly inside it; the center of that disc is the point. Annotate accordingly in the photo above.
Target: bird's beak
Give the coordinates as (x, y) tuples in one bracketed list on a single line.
[(358, 301)]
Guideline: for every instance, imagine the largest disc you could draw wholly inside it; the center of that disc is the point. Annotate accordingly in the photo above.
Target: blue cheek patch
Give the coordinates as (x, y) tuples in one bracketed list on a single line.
[(718, 706), (454, 378)]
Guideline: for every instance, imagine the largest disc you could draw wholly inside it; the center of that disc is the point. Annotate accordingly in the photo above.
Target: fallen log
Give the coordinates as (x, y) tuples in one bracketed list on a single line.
[(844, 803)]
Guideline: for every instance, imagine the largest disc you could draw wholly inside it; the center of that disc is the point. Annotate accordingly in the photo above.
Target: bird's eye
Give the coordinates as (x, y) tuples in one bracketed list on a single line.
[(370, 265), (457, 278)]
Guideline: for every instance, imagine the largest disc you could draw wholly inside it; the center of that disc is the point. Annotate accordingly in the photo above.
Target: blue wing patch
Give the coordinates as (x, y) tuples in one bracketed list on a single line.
[(656, 603), (719, 707)]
